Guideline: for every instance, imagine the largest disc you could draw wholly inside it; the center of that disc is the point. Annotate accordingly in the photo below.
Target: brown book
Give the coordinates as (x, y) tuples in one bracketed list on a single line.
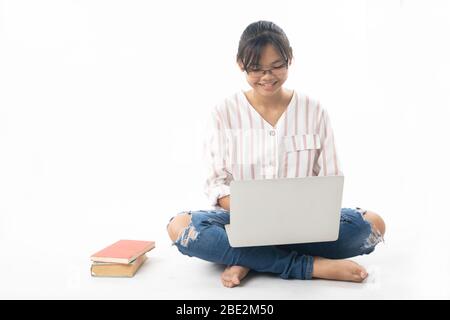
[(109, 269)]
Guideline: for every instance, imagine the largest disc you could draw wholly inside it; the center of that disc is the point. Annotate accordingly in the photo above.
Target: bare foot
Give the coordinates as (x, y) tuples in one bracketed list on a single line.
[(344, 270), (233, 275)]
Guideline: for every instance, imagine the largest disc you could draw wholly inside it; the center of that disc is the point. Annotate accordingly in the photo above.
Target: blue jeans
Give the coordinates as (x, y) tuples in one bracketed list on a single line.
[(205, 238)]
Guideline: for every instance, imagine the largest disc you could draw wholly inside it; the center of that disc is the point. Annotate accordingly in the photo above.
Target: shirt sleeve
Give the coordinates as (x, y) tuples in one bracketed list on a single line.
[(327, 163), (215, 154)]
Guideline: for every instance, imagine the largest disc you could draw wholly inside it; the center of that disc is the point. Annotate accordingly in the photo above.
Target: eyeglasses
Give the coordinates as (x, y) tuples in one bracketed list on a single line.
[(275, 70)]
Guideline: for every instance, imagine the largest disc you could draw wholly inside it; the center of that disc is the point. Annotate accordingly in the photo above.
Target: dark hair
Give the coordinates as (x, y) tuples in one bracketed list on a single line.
[(256, 36)]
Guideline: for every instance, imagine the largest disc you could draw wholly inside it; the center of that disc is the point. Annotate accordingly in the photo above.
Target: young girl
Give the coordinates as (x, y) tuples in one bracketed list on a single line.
[(271, 132)]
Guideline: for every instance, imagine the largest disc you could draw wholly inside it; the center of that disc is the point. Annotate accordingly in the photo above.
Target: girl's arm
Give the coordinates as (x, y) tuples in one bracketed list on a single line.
[(225, 203), (215, 151), (327, 163)]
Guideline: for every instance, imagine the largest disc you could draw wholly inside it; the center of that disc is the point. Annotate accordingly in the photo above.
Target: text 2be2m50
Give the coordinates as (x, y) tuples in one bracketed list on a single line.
[(246, 309)]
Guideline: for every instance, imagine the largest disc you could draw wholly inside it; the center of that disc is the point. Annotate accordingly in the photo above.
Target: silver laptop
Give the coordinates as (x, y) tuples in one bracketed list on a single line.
[(284, 211)]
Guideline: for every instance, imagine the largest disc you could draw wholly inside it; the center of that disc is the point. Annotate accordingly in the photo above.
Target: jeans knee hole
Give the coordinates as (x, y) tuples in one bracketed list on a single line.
[(188, 234), (374, 238)]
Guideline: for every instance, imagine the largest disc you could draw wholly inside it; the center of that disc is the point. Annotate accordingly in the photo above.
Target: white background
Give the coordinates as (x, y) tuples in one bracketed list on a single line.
[(102, 107)]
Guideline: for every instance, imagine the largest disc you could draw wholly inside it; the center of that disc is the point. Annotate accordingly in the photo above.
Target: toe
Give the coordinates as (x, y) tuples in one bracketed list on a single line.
[(359, 274), (225, 281)]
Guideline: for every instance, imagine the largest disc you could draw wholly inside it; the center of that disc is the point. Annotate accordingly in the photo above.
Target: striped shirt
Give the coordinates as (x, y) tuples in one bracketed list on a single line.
[(242, 145)]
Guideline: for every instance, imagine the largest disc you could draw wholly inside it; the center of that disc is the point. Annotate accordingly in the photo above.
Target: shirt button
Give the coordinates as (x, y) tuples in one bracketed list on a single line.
[(272, 132)]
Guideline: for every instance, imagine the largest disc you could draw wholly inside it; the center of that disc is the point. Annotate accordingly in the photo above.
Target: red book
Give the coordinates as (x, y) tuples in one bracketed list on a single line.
[(123, 251)]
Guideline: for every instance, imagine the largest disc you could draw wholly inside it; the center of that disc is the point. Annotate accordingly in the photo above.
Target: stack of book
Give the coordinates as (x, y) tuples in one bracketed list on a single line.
[(120, 259)]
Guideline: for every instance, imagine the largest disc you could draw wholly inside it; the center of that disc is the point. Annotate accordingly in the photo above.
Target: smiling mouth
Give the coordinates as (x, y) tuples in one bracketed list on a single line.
[(268, 85)]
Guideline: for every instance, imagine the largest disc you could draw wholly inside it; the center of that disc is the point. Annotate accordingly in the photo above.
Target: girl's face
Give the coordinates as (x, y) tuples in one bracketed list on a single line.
[(264, 82)]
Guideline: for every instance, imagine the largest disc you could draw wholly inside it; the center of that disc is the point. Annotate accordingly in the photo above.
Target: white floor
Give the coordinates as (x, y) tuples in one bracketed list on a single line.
[(56, 266)]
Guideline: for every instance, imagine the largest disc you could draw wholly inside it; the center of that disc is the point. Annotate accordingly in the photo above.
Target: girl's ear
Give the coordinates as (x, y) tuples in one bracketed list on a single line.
[(290, 62), (292, 55), (240, 65)]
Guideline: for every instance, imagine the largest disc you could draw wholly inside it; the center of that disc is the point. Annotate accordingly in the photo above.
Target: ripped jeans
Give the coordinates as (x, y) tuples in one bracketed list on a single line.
[(205, 238)]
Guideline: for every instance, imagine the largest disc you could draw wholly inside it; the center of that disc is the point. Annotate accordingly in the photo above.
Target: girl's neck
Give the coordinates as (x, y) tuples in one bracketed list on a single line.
[(276, 101)]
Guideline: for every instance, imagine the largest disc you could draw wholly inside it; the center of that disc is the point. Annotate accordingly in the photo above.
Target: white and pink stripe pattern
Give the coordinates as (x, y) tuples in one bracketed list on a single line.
[(241, 144)]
